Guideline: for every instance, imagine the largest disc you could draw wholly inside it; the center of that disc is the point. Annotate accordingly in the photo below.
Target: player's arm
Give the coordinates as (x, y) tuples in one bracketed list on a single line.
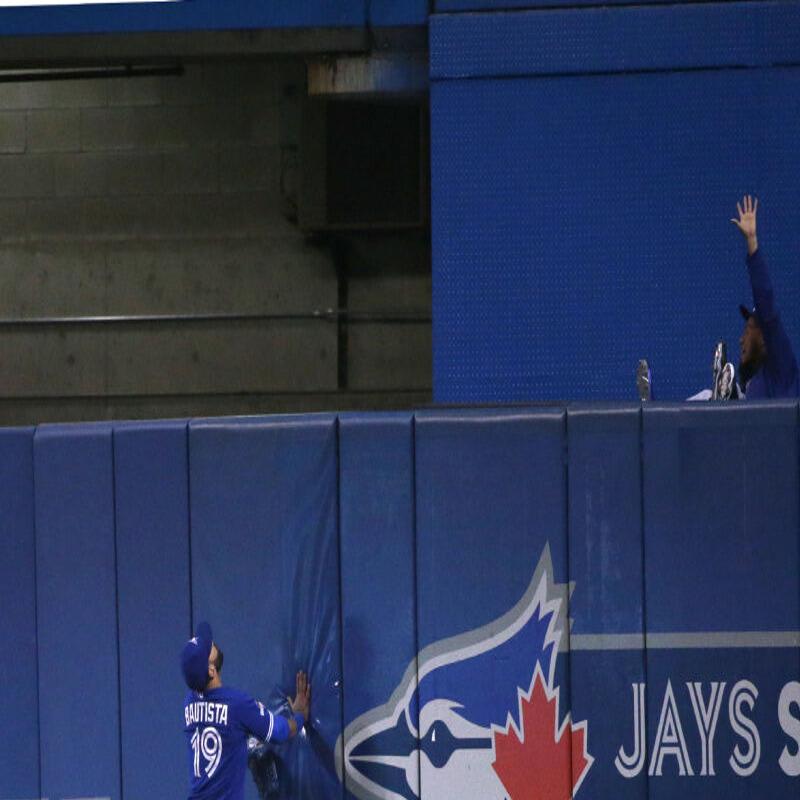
[(780, 355), (260, 722)]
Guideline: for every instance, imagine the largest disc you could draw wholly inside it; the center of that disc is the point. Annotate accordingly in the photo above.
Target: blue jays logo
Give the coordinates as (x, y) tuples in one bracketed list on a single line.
[(476, 715)]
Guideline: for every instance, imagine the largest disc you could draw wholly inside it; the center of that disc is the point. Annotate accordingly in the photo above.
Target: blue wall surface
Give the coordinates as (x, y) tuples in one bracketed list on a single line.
[(197, 15), (455, 582), (585, 165)]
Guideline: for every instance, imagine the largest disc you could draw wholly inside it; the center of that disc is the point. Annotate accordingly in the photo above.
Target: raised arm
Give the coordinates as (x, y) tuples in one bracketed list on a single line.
[(780, 359)]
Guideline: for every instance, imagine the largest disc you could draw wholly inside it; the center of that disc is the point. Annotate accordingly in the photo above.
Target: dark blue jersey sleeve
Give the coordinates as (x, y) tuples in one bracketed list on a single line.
[(260, 722), (780, 363)]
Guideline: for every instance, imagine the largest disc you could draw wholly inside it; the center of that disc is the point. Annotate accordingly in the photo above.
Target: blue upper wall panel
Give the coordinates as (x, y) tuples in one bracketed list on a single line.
[(184, 15), (442, 6), (585, 164), (595, 40), (387, 13)]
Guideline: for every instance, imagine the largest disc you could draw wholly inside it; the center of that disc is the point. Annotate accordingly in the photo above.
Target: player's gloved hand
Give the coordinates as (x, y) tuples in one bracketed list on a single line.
[(302, 700)]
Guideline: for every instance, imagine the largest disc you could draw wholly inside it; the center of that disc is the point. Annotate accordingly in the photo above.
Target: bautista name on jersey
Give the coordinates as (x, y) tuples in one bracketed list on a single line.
[(205, 712)]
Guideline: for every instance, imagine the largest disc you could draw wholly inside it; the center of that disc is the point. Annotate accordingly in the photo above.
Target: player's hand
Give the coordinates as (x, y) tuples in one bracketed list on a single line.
[(302, 699), (746, 222)]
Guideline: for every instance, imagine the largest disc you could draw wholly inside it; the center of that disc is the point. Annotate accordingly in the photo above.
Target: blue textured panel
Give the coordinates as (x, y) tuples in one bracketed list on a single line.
[(491, 507), (19, 717), (376, 463), (581, 223), (152, 522), (189, 15), (265, 571), (721, 509), (606, 567), (398, 12), (449, 6), (683, 36), (722, 551), (77, 612)]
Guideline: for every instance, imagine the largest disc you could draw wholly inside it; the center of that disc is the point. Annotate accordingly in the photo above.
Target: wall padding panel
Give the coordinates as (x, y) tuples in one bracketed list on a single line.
[(376, 463), (491, 556), (19, 704), (265, 570), (76, 582), (151, 480), (720, 493), (605, 565)]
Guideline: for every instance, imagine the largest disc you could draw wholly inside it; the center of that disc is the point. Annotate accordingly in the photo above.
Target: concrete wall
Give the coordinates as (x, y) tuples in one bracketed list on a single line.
[(177, 195)]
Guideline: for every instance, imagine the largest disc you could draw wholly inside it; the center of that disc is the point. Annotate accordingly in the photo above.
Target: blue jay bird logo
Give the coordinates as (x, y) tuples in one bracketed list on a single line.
[(476, 715)]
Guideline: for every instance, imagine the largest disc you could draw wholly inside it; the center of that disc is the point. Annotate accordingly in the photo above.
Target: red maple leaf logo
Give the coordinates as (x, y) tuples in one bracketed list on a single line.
[(540, 762)]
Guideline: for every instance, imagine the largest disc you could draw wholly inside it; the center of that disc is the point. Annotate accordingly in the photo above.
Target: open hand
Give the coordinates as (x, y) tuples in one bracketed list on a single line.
[(747, 221), (302, 700)]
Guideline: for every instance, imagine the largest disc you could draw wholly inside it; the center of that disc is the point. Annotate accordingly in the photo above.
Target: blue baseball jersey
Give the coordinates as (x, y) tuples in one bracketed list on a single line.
[(217, 724)]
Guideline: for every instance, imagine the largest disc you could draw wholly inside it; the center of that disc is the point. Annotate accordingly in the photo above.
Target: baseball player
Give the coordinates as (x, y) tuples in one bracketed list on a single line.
[(218, 721)]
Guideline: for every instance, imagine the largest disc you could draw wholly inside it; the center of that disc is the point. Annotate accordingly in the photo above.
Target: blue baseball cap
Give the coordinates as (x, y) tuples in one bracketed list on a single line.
[(194, 657)]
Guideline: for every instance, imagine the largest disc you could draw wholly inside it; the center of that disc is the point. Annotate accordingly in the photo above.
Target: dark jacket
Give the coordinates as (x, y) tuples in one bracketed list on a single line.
[(778, 376)]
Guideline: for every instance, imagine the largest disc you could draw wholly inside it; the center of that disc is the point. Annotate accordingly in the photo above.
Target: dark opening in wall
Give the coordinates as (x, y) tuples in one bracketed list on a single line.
[(374, 161), (365, 163)]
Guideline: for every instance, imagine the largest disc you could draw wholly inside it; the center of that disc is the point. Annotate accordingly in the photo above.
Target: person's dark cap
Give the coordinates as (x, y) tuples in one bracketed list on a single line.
[(194, 657), (747, 312)]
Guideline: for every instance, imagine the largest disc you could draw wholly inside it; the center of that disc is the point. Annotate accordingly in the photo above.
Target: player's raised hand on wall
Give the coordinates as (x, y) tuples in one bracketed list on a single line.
[(302, 699), (746, 222)]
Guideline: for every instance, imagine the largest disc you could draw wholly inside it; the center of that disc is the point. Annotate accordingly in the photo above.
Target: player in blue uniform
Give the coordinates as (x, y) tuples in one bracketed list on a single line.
[(767, 367), (218, 721)]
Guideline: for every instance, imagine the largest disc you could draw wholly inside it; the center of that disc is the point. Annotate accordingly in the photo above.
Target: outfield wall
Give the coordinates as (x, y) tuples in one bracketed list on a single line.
[(430, 571)]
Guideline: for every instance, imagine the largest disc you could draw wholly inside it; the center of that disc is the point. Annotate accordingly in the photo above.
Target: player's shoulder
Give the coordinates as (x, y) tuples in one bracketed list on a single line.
[(232, 696)]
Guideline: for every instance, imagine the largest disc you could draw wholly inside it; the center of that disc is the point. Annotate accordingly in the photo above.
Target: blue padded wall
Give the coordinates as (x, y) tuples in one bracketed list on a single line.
[(720, 493), (19, 741), (376, 468), (151, 482), (581, 220), (388, 13), (491, 510), (606, 567), (265, 569), (424, 568), (79, 719)]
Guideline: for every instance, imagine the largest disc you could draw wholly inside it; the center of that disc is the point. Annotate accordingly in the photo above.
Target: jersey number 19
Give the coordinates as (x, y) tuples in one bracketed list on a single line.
[(208, 744)]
